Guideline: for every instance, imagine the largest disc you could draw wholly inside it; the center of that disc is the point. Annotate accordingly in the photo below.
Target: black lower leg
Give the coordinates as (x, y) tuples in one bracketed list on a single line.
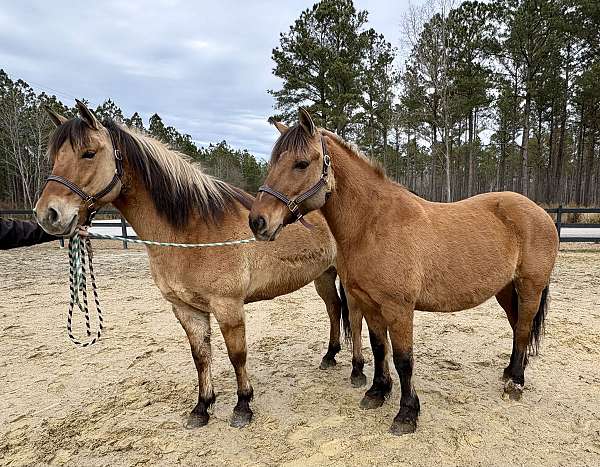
[(508, 371), (381, 375), (382, 382), (516, 381), (406, 420), (329, 358), (199, 416), (242, 413), (357, 377)]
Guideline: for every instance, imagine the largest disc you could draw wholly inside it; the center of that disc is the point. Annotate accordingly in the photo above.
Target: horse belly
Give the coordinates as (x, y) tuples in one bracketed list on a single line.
[(468, 276)]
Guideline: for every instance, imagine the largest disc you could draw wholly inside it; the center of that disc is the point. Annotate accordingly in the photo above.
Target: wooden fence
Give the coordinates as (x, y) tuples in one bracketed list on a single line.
[(559, 212)]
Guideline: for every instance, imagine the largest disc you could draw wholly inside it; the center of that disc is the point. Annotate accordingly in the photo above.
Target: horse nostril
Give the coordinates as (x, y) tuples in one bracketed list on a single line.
[(258, 224), (52, 215)]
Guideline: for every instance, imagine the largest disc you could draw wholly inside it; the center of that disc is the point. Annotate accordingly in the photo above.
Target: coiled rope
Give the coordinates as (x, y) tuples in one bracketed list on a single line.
[(80, 252), (78, 283)]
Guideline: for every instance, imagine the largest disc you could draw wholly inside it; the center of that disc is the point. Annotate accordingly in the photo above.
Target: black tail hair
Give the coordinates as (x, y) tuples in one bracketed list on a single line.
[(538, 328), (345, 316)]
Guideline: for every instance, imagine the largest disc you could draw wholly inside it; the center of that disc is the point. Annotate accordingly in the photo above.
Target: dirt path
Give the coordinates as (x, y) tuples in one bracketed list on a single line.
[(124, 400)]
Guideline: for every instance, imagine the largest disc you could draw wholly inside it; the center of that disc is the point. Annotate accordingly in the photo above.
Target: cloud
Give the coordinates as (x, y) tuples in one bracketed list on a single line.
[(205, 67)]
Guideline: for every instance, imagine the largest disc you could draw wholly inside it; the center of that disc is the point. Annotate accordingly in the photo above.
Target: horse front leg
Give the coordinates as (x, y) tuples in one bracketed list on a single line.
[(230, 317), (197, 327), (382, 382), (400, 325)]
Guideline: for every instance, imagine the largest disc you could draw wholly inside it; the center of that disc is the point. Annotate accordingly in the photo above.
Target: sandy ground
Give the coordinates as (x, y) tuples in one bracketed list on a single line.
[(124, 401)]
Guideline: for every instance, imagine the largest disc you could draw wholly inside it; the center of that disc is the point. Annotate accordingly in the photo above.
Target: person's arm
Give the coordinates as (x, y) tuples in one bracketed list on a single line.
[(14, 234)]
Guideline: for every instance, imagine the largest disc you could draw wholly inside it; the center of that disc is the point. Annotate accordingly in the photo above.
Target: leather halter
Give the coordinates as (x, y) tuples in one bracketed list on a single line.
[(294, 204), (89, 201)]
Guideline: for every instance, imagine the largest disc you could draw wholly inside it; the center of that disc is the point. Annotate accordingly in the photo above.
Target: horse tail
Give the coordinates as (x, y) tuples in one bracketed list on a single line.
[(345, 315), (538, 327)]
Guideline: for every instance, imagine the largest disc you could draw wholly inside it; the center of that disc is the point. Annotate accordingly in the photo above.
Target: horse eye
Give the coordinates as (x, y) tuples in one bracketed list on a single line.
[(301, 165), (88, 155)]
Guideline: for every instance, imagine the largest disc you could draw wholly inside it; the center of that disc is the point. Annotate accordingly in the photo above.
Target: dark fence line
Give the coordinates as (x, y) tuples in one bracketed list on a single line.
[(559, 211)]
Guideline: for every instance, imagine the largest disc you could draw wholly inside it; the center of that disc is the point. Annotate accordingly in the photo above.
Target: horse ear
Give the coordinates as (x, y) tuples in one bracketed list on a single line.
[(56, 118), (86, 115), (280, 126), (306, 121)]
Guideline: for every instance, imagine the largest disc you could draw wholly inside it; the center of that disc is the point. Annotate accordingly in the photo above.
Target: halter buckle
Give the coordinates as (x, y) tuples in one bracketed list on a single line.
[(292, 206), (89, 202), (326, 160)]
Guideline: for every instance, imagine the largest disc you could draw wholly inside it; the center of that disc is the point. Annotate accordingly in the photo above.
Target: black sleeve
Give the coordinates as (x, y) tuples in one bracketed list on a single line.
[(14, 234)]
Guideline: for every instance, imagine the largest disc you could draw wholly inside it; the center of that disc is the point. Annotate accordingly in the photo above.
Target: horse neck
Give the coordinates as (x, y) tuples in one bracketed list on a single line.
[(353, 206), (136, 205)]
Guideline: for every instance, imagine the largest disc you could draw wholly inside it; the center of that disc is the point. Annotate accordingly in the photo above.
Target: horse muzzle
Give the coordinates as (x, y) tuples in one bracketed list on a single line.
[(58, 219), (261, 230)]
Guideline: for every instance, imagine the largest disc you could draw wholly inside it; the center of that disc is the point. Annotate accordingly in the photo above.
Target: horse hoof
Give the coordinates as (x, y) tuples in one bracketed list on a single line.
[(358, 380), (403, 427), (370, 402), (327, 363), (196, 420), (513, 391), (240, 419)]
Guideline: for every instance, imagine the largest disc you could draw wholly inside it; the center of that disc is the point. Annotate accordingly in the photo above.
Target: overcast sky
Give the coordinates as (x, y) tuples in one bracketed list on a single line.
[(203, 66)]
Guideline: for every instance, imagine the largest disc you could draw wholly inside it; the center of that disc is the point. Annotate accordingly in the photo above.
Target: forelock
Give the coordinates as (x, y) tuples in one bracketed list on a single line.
[(296, 139), (74, 130)]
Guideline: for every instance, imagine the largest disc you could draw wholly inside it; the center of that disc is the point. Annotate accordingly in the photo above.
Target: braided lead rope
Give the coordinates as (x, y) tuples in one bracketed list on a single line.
[(176, 245), (78, 282)]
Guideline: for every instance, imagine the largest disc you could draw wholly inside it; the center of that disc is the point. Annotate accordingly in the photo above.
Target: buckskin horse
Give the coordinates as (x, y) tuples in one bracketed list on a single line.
[(166, 198), (398, 252)]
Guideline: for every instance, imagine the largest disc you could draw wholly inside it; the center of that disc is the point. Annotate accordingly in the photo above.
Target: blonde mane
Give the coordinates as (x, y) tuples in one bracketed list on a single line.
[(177, 186)]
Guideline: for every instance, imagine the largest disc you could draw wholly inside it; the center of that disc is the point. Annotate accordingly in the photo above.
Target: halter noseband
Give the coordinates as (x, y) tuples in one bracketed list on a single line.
[(294, 204), (89, 201)]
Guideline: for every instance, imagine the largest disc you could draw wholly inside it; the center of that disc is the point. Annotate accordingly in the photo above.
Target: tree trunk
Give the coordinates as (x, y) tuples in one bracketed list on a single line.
[(580, 140), (589, 167), (557, 198), (525, 143), (470, 155)]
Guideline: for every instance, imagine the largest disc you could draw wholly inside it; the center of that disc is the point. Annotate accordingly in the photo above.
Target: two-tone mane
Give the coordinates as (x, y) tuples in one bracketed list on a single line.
[(178, 188)]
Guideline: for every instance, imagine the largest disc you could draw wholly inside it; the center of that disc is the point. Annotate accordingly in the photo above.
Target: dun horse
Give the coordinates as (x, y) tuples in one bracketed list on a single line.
[(166, 198), (398, 252)]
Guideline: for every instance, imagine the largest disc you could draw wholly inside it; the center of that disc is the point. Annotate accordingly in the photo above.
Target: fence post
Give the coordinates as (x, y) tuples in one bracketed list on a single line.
[(559, 220), (124, 231)]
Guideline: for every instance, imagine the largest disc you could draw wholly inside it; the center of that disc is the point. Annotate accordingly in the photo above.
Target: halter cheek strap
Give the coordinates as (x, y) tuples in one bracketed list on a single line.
[(294, 204), (89, 201)]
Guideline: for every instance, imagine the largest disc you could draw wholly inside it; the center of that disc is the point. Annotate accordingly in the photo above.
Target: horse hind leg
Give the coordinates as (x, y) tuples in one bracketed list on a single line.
[(196, 325), (532, 307), (325, 286), (508, 300), (357, 377)]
